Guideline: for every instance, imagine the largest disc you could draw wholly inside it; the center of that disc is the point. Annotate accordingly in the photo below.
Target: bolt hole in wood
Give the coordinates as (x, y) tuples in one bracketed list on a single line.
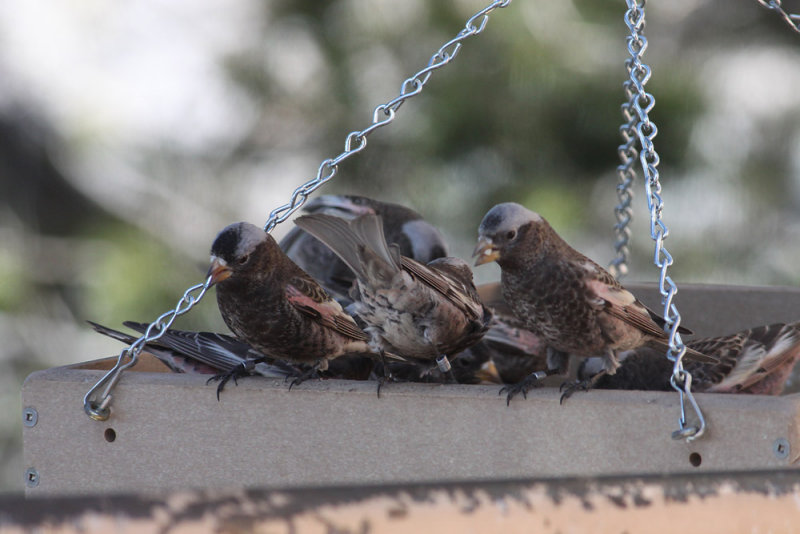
[(110, 434), (695, 459)]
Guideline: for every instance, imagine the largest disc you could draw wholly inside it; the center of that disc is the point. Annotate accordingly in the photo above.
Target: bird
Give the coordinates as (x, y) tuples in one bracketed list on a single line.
[(208, 353), (514, 351), (402, 226), (757, 360), (276, 307), (226, 357), (419, 311), (574, 305)]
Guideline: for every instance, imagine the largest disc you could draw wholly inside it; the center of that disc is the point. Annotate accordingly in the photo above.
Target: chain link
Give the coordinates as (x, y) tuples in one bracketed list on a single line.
[(384, 114), (97, 405), (642, 103), (626, 173), (791, 19)]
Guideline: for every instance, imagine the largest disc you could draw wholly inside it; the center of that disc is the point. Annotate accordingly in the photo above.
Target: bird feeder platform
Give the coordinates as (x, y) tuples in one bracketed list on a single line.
[(168, 431)]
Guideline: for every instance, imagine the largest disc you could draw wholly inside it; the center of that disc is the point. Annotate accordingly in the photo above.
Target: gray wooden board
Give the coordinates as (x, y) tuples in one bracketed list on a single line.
[(171, 433), (713, 310)]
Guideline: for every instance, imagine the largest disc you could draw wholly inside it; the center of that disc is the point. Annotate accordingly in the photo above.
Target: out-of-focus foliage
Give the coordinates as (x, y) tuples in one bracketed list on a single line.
[(130, 133)]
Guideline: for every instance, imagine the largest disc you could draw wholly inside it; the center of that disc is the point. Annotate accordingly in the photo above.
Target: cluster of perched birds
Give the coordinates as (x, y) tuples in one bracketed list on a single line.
[(361, 289)]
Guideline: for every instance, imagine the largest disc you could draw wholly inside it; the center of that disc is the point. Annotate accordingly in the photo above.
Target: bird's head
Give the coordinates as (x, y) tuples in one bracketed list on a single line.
[(235, 250), (502, 230)]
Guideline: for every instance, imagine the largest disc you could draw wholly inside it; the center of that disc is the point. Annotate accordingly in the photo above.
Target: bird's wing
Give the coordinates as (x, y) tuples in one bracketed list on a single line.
[(761, 352), (622, 304), (177, 361), (217, 350), (308, 297), (449, 286), (349, 239)]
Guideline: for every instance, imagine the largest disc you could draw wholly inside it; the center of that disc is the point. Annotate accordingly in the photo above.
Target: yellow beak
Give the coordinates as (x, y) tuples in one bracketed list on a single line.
[(488, 374), (485, 251), (218, 271)]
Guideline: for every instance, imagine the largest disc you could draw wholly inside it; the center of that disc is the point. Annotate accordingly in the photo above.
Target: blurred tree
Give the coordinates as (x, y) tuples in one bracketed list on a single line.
[(129, 134)]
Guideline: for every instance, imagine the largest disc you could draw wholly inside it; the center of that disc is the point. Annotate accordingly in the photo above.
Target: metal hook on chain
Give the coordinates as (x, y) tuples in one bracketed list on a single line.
[(98, 406), (639, 127)]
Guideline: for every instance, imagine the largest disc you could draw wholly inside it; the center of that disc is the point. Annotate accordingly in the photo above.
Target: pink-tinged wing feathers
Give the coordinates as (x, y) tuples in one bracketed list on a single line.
[(623, 305), (314, 302)]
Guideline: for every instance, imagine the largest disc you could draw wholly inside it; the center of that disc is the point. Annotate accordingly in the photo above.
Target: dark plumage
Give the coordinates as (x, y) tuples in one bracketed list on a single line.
[(402, 226), (414, 310), (199, 352), (275, 306), (758, 360), (515, 351), (574, 305)]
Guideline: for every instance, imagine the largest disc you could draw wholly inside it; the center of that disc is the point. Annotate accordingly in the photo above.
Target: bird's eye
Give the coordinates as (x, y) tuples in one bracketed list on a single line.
[(511, 235), (243, 259)]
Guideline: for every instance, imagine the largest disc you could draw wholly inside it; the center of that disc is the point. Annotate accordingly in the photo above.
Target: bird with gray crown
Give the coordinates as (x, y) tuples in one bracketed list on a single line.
[(573, 304)]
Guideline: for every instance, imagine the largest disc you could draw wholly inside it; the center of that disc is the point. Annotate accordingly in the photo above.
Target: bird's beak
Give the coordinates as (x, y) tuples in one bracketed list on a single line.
[(485, 251), (488, 374), (218, 271)]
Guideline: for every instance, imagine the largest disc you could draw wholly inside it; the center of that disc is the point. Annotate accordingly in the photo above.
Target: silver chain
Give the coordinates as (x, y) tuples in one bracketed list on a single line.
[(97, 405), (627, 152), (646, 130), (791, 19), (98, 408), (626, 173), (384, 113)]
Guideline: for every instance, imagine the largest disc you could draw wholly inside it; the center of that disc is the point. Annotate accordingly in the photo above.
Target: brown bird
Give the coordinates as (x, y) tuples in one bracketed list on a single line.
[(515, 351), (418, 311), (758, 360), (402, 226), (275, 306), (575, 306)]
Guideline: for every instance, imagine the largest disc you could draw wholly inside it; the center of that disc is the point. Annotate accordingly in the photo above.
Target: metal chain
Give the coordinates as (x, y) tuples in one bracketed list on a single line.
[(97, 405), (384, 113), (626, 173), (646, 130), (791, 19)]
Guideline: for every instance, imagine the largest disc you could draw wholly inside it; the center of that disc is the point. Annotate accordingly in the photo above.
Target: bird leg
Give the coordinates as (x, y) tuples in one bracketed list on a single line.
[(443, 363), (387, 373), (526, 384), (557, 359), (311, 372), (585, 385), (243, 369)]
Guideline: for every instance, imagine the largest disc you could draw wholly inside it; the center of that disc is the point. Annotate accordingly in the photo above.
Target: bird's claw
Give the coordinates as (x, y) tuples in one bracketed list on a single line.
[(389, 377), (243, 369), (569, 388), (298, 379), (523, 386)]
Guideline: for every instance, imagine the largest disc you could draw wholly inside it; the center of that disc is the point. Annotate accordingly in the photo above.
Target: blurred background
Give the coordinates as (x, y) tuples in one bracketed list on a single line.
[(131, 132)]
